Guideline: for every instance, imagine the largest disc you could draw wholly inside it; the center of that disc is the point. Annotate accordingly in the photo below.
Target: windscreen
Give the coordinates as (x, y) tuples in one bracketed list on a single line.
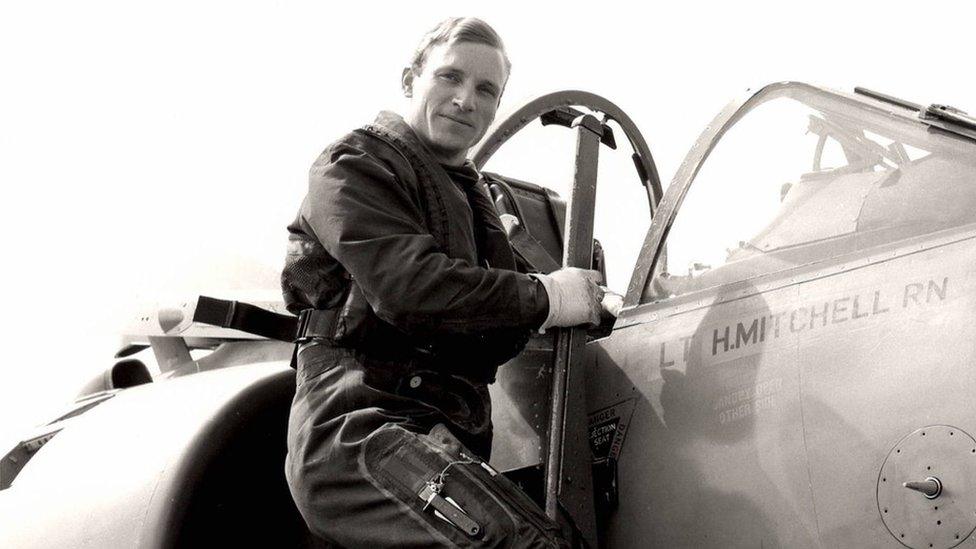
[(805, 176)]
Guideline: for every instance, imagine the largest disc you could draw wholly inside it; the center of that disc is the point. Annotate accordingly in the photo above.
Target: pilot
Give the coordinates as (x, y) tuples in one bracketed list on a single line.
[(409, 298)]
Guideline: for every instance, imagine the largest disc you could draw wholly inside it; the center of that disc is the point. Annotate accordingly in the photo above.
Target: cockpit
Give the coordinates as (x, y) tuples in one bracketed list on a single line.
[(804, 176)]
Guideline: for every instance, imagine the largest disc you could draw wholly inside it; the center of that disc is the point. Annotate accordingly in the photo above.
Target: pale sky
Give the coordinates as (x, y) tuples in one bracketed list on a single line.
[(159, 149)]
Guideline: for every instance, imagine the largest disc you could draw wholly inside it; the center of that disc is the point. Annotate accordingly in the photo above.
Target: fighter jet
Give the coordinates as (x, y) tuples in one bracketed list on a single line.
[(791, 365)]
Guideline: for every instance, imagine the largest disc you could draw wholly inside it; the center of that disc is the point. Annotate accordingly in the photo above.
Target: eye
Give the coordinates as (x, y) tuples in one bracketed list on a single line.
[(489, 91), (451, 77)]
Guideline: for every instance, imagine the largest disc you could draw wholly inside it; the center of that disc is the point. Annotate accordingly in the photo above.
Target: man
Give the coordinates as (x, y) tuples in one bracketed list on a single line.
[(410, 298)]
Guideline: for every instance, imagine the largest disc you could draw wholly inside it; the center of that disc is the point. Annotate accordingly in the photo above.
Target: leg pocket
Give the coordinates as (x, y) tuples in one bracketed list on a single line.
[(409, 466)]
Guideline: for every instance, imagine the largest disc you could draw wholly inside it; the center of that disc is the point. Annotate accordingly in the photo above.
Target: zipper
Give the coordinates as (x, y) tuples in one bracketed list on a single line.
[(527, 510)]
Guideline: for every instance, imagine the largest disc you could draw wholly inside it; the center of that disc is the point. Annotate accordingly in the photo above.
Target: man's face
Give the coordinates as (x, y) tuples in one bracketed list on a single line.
[(454, 98)]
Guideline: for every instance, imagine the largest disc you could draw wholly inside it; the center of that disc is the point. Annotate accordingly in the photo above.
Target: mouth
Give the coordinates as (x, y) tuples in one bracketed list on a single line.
[(458, 120)]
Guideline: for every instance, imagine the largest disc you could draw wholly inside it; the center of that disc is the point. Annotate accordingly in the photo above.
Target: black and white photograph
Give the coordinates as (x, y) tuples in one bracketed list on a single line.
[(446, 274)]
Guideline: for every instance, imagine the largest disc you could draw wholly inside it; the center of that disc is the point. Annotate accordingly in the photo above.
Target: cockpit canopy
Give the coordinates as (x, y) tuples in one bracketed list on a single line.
[(804, 175)]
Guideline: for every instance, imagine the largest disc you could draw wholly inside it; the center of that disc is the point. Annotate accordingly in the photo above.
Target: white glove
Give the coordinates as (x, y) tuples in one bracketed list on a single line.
[(574, 297), (612, 302), (509, 223)]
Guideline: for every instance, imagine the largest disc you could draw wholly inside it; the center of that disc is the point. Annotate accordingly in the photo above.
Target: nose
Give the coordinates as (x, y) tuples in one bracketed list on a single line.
[(464, 99)]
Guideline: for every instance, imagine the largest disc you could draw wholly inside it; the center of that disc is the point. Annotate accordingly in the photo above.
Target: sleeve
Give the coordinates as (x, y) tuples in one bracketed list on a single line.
[(368, 220)]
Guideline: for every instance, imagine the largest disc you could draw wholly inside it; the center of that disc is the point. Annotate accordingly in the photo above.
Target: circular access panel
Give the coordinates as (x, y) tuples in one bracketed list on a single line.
[(918, 515)]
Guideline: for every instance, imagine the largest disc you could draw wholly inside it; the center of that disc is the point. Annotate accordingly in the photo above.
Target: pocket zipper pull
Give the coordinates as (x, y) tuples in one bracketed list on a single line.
[(430, 491), (448, 510)]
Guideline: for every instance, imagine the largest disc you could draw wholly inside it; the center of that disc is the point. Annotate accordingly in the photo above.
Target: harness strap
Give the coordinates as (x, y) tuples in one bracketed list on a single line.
[(246, 318)]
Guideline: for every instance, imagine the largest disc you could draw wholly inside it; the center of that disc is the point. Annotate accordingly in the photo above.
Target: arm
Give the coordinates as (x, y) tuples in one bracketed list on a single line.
[(369, 221)]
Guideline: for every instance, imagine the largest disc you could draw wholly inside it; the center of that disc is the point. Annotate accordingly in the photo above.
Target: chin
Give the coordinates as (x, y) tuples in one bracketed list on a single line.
[(453, 143)]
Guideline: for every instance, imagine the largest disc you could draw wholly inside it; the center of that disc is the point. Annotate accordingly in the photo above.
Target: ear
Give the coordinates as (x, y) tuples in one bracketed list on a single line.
[(406, 82)]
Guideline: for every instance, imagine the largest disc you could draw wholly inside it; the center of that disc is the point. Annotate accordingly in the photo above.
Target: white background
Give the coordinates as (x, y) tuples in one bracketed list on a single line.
[(155, 149)]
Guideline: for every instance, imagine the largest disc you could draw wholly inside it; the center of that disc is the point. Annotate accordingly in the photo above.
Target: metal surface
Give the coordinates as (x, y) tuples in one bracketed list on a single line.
[(769, 444), (943, 113), (568, 472), (888, 99), (931, 487), (937, 512), (172, 354), (512, 122), (776, 441), (951, 115), (569, 479), (124, 474)]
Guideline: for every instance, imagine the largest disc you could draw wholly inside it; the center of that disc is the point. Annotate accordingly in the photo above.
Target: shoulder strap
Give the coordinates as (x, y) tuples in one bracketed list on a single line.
[(436, 210)]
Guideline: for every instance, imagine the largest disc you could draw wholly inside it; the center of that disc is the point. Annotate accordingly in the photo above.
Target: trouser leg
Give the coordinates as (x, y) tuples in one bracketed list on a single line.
[(360, 457), (387, 501)]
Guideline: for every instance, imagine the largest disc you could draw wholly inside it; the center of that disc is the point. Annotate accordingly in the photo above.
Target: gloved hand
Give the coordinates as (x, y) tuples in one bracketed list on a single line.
[(612, 303), (574, 297), (509, 222)]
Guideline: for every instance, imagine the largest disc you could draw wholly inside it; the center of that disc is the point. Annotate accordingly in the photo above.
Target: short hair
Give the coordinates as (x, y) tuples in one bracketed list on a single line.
[(458, 29)]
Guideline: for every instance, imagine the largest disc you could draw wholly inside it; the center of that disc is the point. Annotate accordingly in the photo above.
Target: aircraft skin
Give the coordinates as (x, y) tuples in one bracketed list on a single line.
[(132, 471), (766, 410), (777, 439)]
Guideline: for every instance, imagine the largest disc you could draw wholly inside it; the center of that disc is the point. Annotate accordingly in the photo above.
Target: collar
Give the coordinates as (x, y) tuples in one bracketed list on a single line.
[(398, 127), (466, 175)]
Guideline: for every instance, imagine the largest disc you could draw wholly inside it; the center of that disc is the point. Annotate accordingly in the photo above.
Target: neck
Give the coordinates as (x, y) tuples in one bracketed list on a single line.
[(442, 155), (455, 160), (451, 157)]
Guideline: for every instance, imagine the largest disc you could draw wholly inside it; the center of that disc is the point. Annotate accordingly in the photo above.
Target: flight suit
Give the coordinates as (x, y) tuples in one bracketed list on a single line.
[(393, 406)]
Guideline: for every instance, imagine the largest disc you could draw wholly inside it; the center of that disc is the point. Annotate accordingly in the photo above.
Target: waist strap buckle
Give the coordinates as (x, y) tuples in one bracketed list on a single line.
[(317, 324)]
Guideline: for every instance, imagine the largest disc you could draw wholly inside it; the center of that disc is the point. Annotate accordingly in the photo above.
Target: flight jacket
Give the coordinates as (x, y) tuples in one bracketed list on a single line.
[(415, 260)]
